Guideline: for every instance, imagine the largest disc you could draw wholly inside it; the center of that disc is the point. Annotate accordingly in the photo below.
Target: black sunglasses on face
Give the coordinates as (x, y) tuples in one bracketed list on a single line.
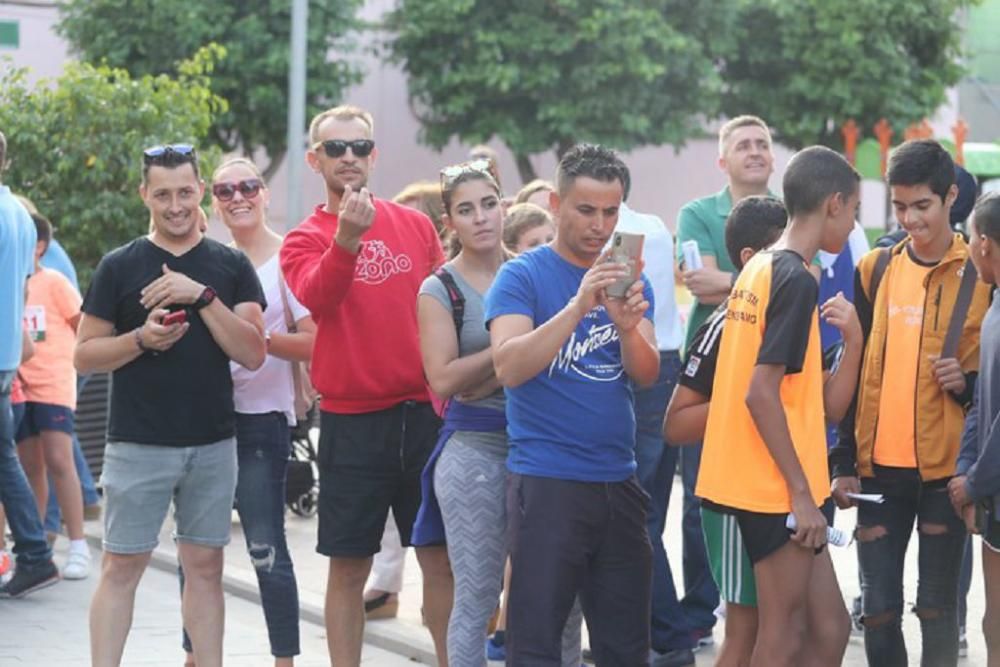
[(159, 152), (337, 148), (249, 188)]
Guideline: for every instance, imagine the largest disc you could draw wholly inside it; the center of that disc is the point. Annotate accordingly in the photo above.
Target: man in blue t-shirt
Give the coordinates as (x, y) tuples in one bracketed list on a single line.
[(565, 353), (35, 569)]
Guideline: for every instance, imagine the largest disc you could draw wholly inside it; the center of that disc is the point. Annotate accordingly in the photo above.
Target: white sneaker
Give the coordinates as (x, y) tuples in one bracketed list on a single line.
[(77, 565)]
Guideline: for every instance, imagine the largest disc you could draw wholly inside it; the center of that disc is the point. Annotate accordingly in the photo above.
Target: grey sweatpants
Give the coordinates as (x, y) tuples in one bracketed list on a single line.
[(470, 484)]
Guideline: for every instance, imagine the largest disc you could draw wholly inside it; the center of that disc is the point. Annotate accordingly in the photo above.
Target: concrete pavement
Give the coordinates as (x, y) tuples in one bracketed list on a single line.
[(49, 628), (60, 612)]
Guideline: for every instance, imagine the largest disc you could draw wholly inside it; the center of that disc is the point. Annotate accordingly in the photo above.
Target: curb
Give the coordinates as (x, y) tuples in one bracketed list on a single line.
[(397, 637)]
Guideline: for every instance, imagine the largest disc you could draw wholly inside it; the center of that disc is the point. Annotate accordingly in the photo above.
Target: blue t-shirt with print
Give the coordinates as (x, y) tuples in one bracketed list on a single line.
[(574, 420)]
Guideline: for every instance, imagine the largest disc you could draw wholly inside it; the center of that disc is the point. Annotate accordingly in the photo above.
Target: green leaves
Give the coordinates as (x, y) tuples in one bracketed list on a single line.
[(75, 144), (542, 74), (808, 67), (153, 36)]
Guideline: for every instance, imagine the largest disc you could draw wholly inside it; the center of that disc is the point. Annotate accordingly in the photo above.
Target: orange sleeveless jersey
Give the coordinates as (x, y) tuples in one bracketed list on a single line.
[(771, 319)]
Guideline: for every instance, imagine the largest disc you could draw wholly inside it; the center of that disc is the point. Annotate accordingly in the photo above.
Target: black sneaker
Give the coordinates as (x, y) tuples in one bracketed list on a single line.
[(30, 579)]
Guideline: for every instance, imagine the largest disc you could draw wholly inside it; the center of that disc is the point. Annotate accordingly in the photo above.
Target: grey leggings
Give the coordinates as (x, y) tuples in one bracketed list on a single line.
[(470, 481)]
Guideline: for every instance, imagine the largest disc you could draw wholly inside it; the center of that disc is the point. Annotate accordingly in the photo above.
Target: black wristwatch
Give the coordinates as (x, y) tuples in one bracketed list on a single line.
[(207, 296)]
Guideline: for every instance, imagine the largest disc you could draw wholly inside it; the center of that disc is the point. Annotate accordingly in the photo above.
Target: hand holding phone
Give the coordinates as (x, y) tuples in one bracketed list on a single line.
[(176, 317), (626, 249)]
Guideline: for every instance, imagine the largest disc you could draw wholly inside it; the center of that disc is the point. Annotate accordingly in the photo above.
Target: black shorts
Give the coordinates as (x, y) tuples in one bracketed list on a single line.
[(762, 534), (369, 463)]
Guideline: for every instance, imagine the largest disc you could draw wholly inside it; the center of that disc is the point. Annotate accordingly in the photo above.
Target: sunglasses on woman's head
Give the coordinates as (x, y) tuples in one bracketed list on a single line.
[(478, 166), (249, 188), (337, 148)]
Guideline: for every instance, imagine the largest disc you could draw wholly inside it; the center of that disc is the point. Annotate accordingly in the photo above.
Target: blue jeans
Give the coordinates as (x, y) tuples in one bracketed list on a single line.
[(670, 621), (30, 547), (965, 582), (262, 448), (53, 518), (881, 560)]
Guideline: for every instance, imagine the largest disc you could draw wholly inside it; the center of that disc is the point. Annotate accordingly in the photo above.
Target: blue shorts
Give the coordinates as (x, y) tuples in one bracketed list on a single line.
[(40, 417), (18, 410)]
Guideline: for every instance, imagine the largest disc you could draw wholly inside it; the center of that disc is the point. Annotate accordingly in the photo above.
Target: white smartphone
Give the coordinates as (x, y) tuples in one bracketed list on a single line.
[(692, 255), (626, 249)]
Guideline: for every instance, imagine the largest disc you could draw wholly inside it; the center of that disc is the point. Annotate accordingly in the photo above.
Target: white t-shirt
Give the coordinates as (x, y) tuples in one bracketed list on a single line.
[(658, 251), (857, 242), (269, 388)]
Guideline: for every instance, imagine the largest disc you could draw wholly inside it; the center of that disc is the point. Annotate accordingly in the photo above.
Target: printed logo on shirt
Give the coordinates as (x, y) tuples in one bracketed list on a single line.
[(376, 263), (692, 368), (913, 316), (576, 354)]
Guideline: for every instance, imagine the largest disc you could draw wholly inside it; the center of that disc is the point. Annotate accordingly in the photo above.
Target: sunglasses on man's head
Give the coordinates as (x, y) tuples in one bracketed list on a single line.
[(249, 188), (337, 148), (159, 152)]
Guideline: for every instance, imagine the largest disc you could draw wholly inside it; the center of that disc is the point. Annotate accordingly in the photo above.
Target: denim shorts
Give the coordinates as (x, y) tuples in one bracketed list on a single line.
[(40, 417), (140, 482)]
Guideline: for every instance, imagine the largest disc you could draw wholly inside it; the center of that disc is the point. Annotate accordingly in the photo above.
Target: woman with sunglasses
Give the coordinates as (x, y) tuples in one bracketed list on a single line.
[(469, 472), (264, 402)]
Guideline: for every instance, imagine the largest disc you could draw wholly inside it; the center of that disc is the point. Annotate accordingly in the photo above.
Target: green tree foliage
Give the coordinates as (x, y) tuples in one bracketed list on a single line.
[(544, 74), (151, 36), (807, 67), (75, 144)]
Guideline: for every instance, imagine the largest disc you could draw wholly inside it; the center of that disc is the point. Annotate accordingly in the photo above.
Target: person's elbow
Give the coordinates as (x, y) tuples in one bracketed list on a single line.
[(82, 360), (758, 396), (678, 431), (505, 369), (646, 371), (254, 354), (835, 411), (441, 385)]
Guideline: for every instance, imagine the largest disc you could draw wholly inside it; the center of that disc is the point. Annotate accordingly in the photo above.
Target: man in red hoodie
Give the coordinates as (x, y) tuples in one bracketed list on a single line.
[(357, 264)]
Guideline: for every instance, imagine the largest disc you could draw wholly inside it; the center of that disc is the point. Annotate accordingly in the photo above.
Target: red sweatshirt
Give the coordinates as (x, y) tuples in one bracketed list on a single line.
[(367, 351)]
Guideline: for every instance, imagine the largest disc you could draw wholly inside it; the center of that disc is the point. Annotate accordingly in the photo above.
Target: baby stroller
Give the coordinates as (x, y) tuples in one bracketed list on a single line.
[(301, 487)]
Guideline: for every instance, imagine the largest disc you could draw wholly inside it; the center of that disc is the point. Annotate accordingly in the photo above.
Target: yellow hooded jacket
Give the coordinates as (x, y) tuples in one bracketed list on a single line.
[(939, 415)]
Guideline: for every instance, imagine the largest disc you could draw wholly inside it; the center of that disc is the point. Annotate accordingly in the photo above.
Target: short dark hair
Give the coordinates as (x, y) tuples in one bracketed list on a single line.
[(592, 161), (813, 174), (922, 162), (43, 228), (170, 159), (986, 215), (755, 222)]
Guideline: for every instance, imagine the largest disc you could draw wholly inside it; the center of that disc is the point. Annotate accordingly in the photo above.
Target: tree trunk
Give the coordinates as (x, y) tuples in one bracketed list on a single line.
[(562, 146), (273, 164), (525, 169)]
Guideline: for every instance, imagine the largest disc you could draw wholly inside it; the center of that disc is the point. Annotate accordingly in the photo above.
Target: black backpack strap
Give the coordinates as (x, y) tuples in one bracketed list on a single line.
[(881, 264), (455, 297), (960, 310)]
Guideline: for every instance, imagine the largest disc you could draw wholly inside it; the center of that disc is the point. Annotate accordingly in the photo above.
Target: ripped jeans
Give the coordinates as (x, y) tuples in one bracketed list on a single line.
[(262, 445), (884, 532)]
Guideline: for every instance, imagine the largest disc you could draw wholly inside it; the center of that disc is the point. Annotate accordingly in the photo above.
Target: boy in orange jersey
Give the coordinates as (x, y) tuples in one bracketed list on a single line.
[(765, 443)]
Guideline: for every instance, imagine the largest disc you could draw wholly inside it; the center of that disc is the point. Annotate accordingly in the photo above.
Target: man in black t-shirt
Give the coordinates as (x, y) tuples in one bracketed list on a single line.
[(165, 314)]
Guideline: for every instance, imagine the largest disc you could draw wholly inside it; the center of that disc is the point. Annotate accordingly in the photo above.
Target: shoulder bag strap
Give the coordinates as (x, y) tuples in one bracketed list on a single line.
[(959, 312), (455, 297)]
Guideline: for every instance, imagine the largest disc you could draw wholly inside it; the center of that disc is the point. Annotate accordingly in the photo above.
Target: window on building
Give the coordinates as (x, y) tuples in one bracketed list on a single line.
[(10, 35)]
